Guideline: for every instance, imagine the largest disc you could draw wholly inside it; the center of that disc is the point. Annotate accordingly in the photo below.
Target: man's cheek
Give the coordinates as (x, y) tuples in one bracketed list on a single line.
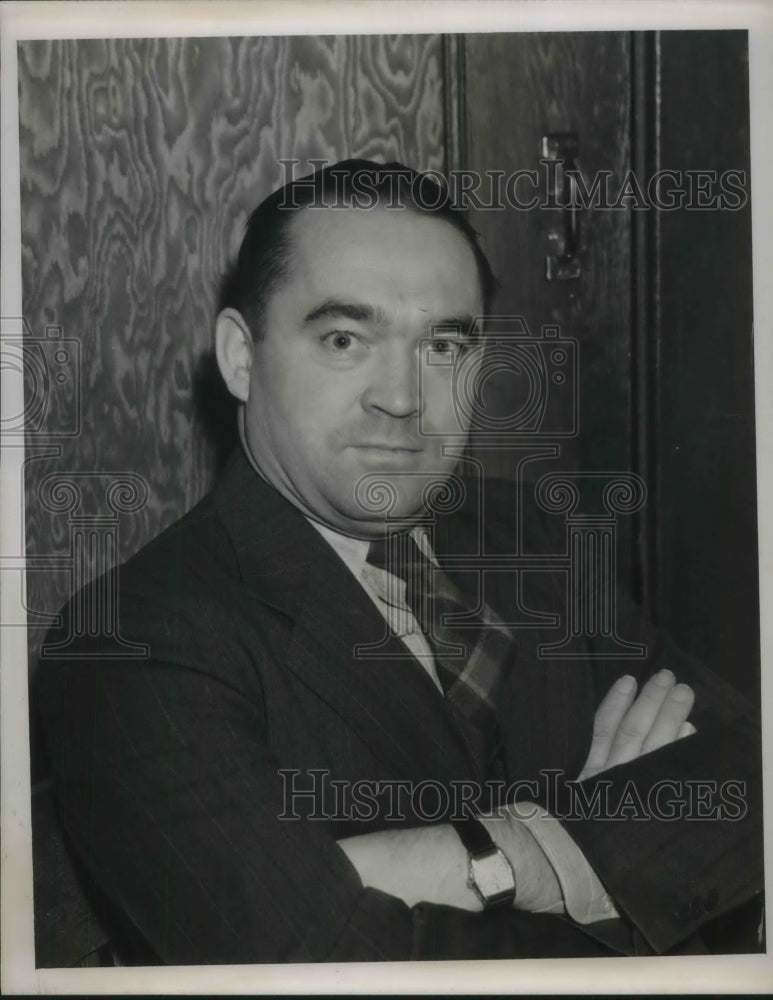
[(441, 415)]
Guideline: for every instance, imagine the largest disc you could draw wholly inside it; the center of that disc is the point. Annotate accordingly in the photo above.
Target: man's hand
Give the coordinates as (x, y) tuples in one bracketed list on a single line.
[(625, 729)]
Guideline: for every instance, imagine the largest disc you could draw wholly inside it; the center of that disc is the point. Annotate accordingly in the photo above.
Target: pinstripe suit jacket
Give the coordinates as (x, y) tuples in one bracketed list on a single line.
[(173, 770)]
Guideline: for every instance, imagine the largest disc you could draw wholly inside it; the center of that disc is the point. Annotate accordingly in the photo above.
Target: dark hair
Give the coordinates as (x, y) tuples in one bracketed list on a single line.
[(266, 247)]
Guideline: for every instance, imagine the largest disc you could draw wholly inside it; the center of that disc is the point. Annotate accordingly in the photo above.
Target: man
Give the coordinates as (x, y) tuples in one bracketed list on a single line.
[(249, 791)]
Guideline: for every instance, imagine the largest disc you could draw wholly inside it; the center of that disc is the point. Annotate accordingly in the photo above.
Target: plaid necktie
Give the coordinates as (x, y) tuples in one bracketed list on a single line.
[(470, 646)]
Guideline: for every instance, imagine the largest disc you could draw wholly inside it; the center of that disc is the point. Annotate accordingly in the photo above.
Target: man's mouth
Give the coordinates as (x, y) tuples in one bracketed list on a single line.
[(397, 449)]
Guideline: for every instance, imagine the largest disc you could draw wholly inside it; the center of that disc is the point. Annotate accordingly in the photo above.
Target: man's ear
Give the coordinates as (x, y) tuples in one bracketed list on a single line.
[(235, 352)]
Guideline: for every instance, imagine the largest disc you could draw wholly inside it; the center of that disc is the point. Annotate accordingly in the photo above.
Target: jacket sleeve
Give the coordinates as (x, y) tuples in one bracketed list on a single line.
[(676, 835)]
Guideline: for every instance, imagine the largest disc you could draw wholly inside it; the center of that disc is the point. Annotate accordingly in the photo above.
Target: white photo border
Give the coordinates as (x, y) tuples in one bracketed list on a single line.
[(121, 18)]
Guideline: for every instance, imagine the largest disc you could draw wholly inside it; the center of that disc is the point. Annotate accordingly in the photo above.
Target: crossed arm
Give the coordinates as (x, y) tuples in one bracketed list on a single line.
[(429, 864)]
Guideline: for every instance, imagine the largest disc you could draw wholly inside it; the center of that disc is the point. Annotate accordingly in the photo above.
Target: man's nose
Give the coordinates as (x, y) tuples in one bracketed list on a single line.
[(394, 388)]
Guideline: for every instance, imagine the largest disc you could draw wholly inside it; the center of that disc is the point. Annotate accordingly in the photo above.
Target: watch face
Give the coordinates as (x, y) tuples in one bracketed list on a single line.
[(492, 876)]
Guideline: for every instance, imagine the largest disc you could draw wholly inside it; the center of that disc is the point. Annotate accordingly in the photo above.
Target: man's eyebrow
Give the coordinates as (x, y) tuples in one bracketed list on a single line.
[(455, 324), (357, 311), (362, 312)]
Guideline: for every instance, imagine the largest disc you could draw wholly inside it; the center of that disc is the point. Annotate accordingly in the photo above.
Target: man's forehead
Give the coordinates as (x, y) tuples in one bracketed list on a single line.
[(414, 247), (378, 226)]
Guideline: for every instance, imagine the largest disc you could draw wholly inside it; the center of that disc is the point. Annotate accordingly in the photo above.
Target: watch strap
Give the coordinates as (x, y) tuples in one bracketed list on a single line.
[(477, 841)]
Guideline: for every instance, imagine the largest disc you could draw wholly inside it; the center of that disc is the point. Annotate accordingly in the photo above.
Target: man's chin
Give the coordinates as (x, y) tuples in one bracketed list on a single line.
[(386, 497)]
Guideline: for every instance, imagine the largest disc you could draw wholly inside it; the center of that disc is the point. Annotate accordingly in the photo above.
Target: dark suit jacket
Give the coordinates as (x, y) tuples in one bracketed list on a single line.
[(169, 766)]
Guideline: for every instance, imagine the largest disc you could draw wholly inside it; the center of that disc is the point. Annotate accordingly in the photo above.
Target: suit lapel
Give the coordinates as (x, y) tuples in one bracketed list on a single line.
[(340, 645), (341, 648)]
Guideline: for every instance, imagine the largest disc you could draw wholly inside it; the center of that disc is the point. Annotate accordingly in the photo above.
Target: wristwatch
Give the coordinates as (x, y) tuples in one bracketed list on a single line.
[(490, 875)]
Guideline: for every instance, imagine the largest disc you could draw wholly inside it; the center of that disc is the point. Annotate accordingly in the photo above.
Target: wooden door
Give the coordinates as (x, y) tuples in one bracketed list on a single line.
[(520, 90), (660, 311)]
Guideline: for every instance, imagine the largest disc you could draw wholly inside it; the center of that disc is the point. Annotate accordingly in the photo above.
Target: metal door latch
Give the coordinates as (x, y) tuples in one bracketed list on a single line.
[(564, 147)]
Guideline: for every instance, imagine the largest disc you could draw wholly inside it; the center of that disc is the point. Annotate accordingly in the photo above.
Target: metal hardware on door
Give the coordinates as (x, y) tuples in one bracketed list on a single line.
[(564, 148)]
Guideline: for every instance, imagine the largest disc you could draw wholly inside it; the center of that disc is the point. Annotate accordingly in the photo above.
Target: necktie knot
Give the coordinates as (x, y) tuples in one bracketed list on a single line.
[(399, 555), (430, 596)]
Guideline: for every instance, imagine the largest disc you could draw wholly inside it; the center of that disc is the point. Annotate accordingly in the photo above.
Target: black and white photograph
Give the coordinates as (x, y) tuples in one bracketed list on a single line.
[(383, 551)]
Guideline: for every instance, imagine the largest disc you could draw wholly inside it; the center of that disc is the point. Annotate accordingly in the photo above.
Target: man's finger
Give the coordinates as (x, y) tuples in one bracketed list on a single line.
[(686, 729), (672, 715), (635, 726), (608, 716)]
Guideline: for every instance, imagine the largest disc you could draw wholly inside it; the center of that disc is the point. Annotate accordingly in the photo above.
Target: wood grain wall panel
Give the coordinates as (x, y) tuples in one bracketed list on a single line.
[(140, 161)]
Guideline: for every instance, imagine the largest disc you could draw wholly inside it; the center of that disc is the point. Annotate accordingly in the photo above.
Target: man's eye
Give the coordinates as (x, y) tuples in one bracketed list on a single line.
[(446, 347), (339, 340)]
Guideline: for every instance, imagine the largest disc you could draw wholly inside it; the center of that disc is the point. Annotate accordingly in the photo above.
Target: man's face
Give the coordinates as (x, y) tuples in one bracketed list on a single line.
[(336, 397)]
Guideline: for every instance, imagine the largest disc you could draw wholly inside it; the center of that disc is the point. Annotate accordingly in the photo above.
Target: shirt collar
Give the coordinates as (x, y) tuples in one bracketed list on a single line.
[(354, 551)]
